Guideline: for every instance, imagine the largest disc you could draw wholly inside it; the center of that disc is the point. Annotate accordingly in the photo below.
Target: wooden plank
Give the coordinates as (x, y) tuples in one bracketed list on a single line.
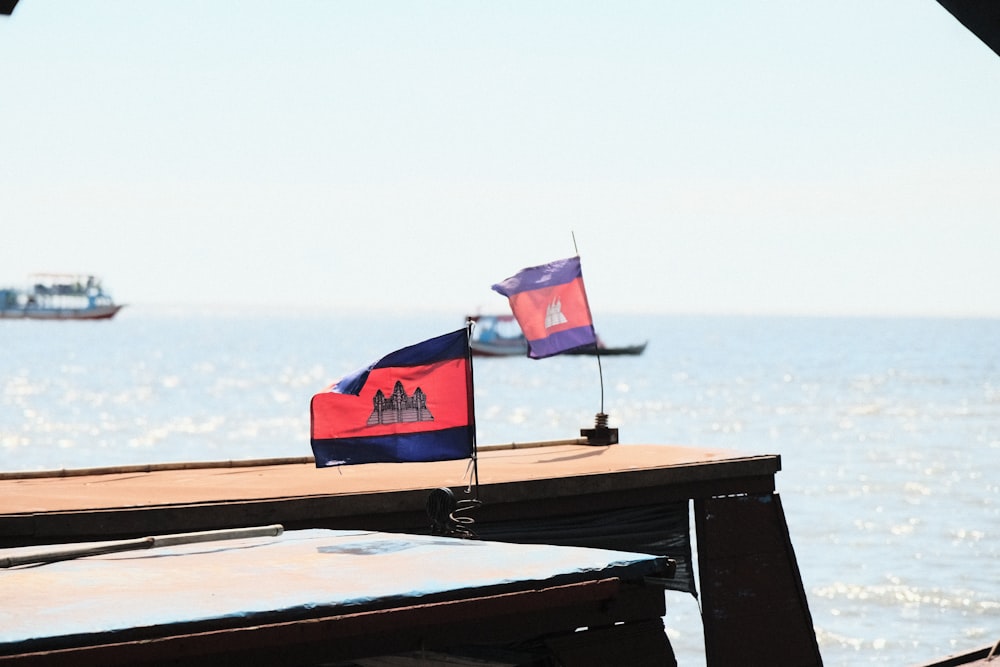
[(751, 589), (641, 644), (985, 656)]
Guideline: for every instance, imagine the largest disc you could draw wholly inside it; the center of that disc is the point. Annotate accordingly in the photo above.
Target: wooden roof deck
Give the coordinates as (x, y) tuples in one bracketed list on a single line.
[(101, 504), (633, 496)]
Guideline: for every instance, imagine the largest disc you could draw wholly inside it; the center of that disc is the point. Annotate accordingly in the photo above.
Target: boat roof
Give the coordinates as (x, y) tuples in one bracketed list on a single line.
[(30, 494), (498, 317), (62, 277), (981, 18), (296, 572)]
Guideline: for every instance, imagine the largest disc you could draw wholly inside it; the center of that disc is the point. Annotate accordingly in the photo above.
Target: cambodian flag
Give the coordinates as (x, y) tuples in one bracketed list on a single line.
[(414, 404), (550, 304)]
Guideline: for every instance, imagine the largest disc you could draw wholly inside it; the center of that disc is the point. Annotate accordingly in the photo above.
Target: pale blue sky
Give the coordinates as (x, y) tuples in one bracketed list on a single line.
[(745, 156)]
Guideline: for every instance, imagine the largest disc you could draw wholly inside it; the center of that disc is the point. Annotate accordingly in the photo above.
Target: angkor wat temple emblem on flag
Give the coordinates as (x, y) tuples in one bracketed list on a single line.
[(399, 407), (554, 315)]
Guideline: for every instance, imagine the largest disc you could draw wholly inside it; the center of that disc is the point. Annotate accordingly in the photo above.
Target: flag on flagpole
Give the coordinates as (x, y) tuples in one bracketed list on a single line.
[(414, 404), (550, 304)]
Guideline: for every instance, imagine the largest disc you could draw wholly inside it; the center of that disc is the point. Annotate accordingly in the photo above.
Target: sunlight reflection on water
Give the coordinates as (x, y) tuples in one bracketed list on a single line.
[(887, 431)]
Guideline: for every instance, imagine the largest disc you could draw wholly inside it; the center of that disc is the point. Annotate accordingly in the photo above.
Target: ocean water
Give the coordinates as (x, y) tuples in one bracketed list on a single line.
[(888, 429)]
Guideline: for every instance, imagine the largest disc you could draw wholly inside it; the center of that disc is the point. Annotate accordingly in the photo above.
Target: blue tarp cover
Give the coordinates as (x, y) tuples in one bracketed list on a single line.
[(295, 571)]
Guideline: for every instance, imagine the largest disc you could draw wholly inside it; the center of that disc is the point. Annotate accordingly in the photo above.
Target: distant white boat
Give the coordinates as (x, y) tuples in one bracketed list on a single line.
[(58, 296)]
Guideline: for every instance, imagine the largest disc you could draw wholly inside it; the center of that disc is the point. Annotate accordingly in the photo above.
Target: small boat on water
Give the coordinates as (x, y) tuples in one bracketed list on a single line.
[(605, 351), (58, 296), (501, 336)]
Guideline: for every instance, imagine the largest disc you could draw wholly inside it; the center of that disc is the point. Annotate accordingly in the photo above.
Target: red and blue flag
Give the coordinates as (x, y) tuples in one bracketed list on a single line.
[(550, 304), (414, 404)]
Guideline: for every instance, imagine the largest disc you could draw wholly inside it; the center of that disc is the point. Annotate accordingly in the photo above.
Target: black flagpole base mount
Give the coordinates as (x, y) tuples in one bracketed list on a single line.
[(600, 435)]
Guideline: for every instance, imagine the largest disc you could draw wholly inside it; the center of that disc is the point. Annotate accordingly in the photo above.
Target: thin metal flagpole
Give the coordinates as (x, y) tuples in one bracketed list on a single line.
[(600, 373), (471, 389), (597, 347)]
